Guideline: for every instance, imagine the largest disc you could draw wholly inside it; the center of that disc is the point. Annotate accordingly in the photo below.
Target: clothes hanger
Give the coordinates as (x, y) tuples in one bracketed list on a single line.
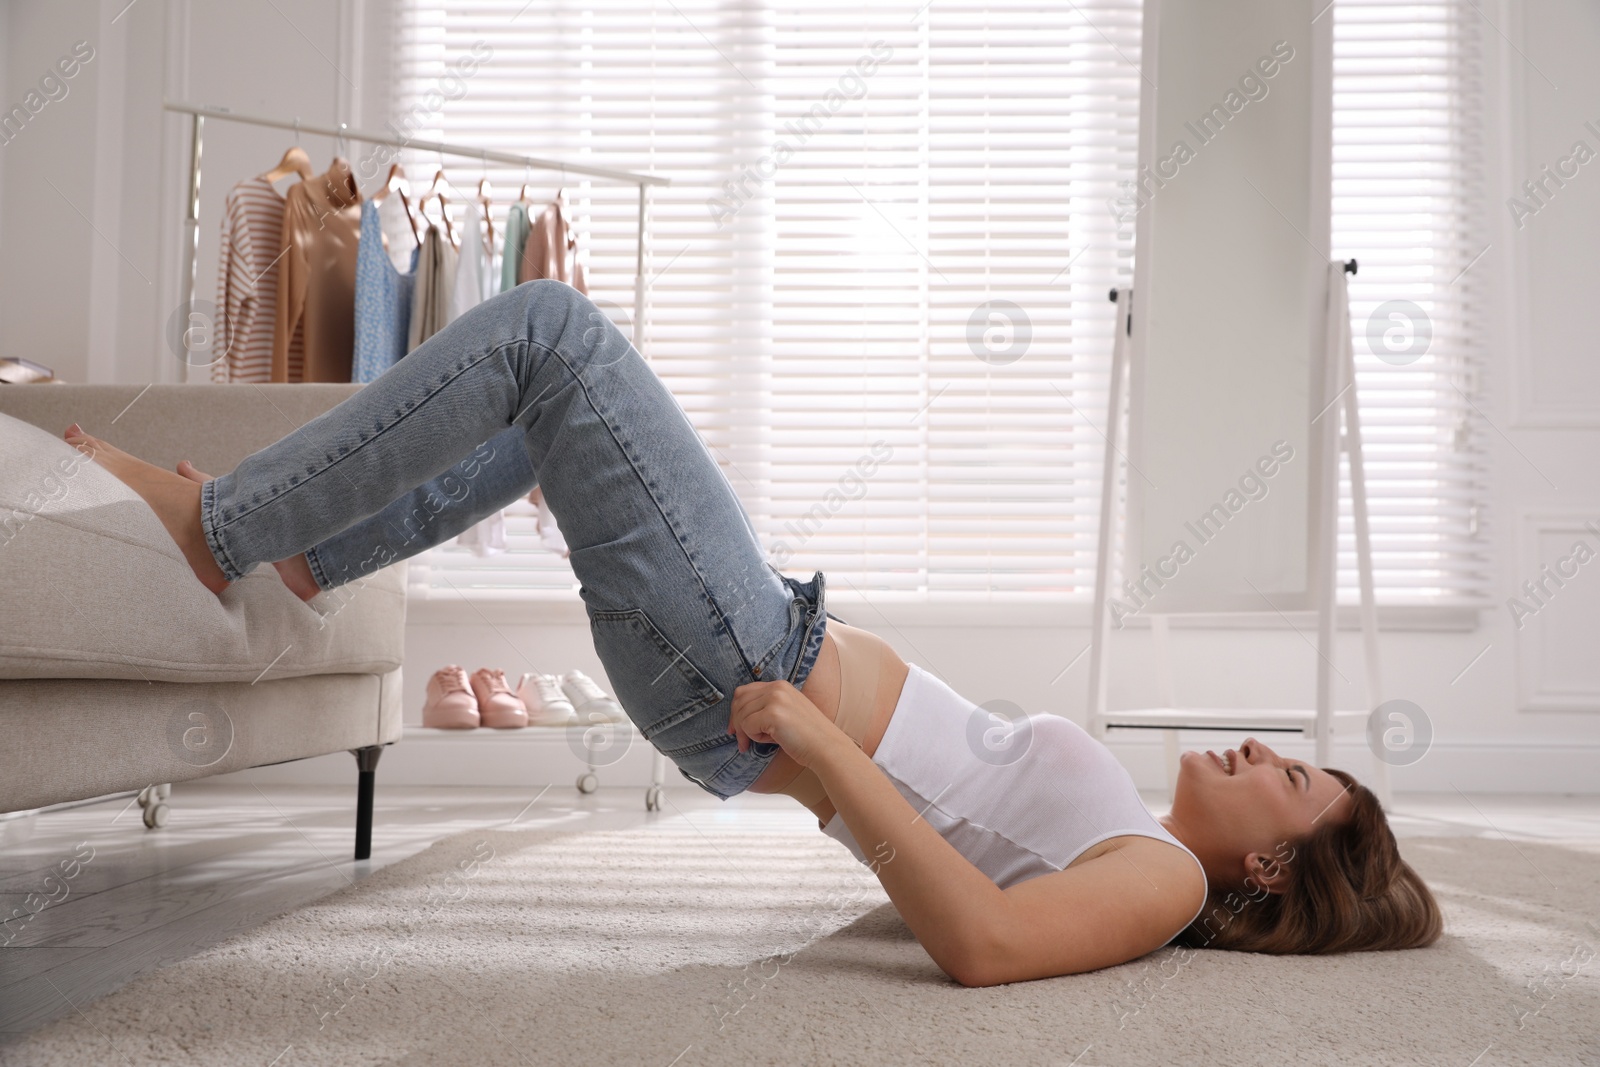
[(436, 192), (486, 201), (396, 181), (428, 194), (339, 151), (294, 161), (340, 171), (570, 253)]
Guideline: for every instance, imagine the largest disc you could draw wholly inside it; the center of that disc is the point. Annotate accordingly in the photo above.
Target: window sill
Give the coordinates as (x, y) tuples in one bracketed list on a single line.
[(899, 609)]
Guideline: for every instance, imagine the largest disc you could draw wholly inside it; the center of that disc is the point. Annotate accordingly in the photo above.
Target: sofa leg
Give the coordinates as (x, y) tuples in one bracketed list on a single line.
[(367, 764)]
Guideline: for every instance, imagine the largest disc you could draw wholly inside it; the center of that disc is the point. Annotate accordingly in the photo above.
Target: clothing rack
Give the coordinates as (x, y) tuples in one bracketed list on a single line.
[(588, 780), (198, 115)]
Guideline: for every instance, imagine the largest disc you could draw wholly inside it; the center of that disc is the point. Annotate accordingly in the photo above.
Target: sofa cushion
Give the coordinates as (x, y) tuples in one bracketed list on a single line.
[(92, 586)]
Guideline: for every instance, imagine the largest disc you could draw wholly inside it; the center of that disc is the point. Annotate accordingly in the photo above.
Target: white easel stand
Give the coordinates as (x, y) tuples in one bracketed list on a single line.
[(1339, 398)]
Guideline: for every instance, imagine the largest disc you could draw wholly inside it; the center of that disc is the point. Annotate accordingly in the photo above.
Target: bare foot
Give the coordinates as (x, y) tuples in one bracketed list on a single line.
[(175, 500), (295, 571)]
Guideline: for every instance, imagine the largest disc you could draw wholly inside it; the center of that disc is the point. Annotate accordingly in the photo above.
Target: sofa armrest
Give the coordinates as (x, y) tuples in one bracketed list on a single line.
[(123, 600)]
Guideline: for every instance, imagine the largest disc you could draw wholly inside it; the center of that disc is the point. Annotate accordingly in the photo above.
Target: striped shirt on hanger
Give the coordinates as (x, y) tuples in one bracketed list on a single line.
[(247, 286)]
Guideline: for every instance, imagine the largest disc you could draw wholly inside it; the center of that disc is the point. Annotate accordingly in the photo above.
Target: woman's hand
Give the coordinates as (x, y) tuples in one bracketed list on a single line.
[(778, 713)]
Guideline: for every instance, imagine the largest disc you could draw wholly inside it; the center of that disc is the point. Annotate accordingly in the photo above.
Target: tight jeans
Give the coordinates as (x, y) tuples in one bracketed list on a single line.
[(537, 387)]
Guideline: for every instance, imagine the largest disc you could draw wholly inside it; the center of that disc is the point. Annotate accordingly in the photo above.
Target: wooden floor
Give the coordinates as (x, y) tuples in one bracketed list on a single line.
[(129, 900)]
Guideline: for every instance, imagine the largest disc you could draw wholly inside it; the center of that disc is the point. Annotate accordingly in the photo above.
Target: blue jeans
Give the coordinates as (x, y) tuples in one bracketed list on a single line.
[(536, 386)]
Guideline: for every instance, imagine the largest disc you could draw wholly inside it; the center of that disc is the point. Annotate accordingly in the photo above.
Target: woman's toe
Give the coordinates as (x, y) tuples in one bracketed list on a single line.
[(88, 444), (193, 473)]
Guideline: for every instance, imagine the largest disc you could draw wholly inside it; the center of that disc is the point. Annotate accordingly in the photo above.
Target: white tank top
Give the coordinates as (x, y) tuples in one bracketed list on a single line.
[(1017, 800)]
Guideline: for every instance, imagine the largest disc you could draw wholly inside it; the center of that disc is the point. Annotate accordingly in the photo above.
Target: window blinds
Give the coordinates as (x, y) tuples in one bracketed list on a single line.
[(878, 282), (1406, 160)]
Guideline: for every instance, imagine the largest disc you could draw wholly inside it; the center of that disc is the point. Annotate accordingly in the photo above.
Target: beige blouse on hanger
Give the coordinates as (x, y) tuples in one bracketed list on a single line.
[(317, 276), (551, 250)]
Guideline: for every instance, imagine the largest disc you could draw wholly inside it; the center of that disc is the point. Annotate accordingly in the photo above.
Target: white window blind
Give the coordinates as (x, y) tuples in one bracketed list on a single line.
[(975, 167), (637, 86), (1406, 157), (857, 188)]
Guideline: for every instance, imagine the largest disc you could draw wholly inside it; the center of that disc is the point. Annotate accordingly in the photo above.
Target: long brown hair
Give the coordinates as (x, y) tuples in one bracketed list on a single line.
[(1348, 891)]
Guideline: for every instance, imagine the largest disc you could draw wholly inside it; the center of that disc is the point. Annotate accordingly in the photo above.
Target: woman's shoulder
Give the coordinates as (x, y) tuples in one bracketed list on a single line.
[(1172, 867)]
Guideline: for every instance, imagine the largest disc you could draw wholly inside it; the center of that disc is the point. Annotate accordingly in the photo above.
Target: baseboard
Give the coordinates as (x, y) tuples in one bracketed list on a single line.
[(535, 758)]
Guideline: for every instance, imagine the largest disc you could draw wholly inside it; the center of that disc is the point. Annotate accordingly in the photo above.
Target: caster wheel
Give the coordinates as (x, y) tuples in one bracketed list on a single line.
[(652, 798), (164, 791), (155, 816), (588, 782)]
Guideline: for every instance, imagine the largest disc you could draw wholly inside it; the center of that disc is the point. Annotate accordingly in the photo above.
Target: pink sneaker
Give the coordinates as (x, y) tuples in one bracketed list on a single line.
[(498, 706), (450, 704)]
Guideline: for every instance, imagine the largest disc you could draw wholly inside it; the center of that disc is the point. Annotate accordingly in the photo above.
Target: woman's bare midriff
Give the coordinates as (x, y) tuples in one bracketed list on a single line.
[(822, 689)]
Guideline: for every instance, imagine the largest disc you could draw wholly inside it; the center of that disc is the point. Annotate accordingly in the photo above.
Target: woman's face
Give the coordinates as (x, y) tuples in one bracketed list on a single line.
[(1251, 801)]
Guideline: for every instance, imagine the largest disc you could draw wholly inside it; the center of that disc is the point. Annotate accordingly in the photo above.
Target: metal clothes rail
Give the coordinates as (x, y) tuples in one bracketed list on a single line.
[(198, 115), (589, 780)]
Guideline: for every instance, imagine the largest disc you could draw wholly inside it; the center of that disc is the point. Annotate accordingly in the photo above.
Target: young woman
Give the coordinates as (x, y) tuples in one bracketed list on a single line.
[(1012, 851)]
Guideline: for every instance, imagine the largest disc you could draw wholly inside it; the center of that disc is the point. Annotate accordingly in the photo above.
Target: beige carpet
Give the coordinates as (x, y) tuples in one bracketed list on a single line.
[(673, 946)]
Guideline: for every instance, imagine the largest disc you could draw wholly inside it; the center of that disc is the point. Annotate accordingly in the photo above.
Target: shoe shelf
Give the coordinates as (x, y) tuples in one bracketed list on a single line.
[(598, 744)]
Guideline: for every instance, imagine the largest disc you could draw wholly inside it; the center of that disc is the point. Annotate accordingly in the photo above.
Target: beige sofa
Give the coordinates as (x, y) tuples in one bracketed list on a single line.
[(118, 670)]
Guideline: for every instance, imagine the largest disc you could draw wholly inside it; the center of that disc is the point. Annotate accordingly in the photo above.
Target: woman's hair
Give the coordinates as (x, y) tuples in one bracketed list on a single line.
[(1348, 891)]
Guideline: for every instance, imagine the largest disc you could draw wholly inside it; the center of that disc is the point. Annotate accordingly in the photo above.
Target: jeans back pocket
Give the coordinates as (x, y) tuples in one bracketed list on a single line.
[(655, 683)]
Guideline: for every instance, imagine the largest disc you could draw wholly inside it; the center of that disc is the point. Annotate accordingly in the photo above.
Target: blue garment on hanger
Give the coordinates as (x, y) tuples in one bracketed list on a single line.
[(383, 301)]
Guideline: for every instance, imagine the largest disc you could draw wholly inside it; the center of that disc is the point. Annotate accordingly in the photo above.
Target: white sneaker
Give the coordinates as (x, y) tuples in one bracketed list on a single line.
[(589, 700), (547, 705)]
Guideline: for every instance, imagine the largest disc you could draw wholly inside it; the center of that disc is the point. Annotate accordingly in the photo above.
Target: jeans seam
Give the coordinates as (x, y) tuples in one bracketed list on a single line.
[(759, 669), (763, 760), (419, 405), (318, 573), (705, 692), (627, 453), (732, 757), (699, 747), (208, 506)]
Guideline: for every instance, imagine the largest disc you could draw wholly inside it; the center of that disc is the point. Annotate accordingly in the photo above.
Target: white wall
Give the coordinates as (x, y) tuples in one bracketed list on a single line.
[(91, 294), (49, 180), (80, 301), (5, 87), (1548, 390)]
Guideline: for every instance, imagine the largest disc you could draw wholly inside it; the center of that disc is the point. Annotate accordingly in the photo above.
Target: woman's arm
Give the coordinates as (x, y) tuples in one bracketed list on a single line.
[(1098, 913), (952, 907)]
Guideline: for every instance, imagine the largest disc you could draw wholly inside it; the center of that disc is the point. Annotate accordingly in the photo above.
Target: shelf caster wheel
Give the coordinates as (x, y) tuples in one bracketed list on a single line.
[(652, 798), (151, 799), (588, 782)]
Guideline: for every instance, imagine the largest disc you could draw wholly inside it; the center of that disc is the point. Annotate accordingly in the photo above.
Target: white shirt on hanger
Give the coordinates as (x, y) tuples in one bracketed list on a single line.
[(397, 235), (475, 279), (475, 282)]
